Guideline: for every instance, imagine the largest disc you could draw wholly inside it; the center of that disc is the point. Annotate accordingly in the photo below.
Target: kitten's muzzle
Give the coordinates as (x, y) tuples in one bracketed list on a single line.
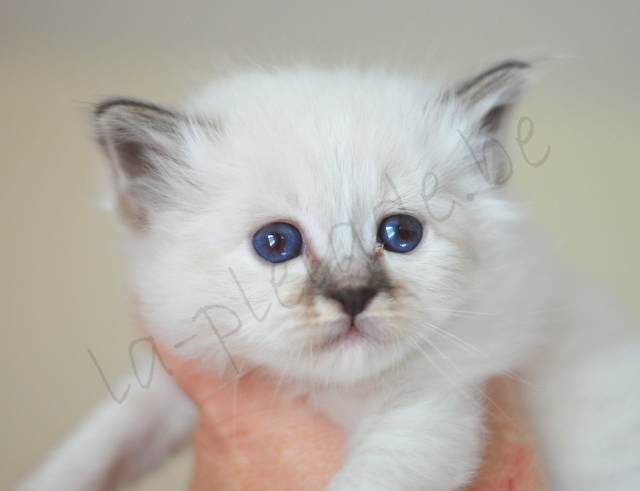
[(354, 300)]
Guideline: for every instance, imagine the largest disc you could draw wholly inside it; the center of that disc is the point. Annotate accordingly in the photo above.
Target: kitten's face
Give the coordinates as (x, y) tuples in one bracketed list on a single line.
[(363, 170)]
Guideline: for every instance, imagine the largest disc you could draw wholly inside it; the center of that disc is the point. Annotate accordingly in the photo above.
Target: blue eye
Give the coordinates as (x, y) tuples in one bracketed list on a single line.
[(400, 233), (278, 242)]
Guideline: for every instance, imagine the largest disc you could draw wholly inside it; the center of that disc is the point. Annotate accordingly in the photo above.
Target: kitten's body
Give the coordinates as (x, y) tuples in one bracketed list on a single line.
[(334, 153)]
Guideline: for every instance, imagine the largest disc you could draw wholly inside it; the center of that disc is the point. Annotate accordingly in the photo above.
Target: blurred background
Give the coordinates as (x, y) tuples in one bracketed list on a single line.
[(64, 288)]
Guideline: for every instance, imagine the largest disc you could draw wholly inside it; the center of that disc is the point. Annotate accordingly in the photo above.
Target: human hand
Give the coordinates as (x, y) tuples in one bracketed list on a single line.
[(251, 437), (510, 461)]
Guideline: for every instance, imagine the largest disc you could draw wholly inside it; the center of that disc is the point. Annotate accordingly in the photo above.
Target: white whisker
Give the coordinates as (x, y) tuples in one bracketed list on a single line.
[(472, 349), (467, 382)]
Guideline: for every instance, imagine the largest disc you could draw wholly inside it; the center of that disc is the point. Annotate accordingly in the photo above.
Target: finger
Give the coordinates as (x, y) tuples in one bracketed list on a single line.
[(510, 460)]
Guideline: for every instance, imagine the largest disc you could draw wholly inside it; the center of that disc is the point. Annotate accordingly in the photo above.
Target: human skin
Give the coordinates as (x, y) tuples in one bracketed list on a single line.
[(510, 461), (250, 436)]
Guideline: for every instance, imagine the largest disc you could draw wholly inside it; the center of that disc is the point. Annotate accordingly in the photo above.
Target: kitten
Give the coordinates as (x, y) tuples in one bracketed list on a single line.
[(350, 232)]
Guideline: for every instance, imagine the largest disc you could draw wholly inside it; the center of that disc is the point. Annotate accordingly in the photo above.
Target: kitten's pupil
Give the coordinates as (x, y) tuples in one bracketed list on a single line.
[(405, 233)]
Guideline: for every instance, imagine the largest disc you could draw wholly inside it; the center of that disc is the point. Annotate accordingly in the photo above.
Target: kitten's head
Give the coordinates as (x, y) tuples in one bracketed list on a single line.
[(318, 223)]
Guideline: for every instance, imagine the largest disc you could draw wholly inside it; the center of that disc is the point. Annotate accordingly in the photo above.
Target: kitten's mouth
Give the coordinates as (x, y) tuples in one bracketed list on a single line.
[(348, 337), (346, 332)]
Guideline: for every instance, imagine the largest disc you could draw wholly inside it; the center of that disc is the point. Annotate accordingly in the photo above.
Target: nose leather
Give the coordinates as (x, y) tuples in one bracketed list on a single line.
[(354, 300)]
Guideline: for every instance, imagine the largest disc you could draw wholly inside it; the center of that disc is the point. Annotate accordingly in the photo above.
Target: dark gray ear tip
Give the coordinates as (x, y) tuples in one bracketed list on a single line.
[(512, 63), (513, 69), (128, 105)]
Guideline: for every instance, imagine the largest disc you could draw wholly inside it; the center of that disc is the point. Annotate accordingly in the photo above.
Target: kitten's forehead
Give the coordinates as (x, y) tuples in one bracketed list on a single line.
[(326, 145)]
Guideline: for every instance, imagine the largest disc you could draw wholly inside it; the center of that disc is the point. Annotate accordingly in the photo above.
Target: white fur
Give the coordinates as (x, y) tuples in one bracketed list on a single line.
[(327, 151)]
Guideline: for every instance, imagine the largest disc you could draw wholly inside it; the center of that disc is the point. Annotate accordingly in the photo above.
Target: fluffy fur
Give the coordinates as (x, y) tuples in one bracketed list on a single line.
[(333, 153)]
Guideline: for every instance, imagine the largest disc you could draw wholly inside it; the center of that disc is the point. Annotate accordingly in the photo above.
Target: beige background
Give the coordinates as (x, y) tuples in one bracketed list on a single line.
[(63, 286)]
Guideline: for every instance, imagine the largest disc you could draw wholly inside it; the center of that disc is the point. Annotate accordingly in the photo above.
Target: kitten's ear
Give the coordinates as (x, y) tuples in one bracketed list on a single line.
[(489, 96), (148, 147)]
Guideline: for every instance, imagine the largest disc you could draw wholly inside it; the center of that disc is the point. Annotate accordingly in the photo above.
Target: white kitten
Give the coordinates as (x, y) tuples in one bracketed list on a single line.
[(350, 233)]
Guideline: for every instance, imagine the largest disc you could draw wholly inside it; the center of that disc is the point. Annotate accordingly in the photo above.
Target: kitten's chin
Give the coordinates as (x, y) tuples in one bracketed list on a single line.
[(351, 354), (352, 361)]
